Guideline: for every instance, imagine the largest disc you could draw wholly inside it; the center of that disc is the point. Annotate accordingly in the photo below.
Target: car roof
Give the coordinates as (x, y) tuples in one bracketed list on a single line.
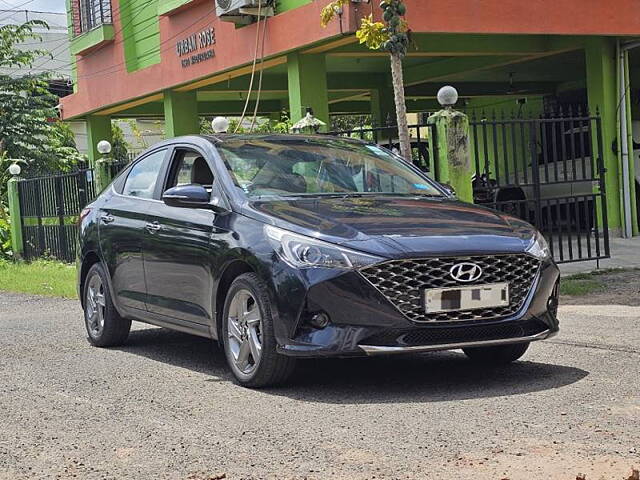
[(225, 137)]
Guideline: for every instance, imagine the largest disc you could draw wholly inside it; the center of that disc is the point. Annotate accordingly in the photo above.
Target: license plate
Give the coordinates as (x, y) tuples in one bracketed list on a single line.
[(438, 300)]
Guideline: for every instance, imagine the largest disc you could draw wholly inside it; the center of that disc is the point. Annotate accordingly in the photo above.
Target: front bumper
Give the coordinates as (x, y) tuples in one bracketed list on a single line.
[(385, 350), (364, 322)]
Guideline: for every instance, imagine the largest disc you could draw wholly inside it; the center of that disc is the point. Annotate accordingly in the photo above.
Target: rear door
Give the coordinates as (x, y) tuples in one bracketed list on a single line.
[(177, 249), (122, 229)]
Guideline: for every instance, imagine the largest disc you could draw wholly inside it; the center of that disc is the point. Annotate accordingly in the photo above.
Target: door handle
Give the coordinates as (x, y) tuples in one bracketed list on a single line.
[(153, 227), (108, 218)]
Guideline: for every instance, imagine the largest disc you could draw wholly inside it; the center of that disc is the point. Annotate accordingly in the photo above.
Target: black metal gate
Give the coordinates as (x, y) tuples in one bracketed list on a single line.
[(549, 171), (49, 207)]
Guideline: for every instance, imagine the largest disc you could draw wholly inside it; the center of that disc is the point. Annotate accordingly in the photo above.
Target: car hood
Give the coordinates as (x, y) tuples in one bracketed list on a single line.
[(398, 227)]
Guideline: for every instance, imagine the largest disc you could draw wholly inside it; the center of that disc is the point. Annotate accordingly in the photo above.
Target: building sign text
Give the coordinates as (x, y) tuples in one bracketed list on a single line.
[(186, 48)]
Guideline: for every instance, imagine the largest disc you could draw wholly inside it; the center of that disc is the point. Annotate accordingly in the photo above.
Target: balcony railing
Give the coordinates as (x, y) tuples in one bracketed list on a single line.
[(94, 13)]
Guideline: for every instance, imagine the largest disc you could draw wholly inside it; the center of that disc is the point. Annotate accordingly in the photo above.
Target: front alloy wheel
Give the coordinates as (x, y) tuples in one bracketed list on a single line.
[(247, 335), (245, 332)]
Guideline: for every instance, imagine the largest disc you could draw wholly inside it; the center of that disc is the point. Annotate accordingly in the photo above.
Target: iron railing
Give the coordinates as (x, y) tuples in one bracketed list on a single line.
[(548, 170), (49, 207), (94, 13)]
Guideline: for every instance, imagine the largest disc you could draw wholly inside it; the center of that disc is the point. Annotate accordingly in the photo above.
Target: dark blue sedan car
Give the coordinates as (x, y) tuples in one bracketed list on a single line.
[(281, 247)]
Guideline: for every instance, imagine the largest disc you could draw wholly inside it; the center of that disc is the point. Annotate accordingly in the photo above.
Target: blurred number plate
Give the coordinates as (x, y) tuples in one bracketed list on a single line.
[(466, 298)]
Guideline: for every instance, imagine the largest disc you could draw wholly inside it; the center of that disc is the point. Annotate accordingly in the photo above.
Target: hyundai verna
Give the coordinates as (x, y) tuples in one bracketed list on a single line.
[(281, 247)]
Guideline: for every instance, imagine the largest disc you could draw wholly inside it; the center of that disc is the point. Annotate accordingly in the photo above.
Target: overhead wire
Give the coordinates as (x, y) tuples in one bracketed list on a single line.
[(255, 110), (157, 49), (16, 9), (253, 69), (134, 13)]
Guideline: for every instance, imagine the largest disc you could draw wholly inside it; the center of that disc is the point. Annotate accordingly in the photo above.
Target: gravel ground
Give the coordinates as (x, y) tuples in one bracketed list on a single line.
[(164, 406)]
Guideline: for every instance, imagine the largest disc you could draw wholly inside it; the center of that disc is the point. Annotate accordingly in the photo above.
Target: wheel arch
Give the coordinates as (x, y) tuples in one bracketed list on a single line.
[(231, 271), (88, 260)]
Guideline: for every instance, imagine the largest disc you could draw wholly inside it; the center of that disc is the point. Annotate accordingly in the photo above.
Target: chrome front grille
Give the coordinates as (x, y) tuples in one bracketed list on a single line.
[(403, 283)]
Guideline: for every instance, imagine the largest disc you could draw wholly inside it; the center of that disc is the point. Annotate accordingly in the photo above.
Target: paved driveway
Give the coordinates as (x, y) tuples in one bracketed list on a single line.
[(164, 406)]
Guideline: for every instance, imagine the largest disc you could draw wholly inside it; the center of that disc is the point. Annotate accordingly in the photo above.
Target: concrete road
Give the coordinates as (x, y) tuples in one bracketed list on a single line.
[(164, 406)]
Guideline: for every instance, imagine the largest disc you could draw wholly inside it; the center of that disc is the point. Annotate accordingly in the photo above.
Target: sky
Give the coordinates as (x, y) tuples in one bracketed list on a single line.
[(39, 5)]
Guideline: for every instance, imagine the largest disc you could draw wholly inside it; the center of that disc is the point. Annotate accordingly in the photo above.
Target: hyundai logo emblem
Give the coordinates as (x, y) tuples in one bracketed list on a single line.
[(465, 272)]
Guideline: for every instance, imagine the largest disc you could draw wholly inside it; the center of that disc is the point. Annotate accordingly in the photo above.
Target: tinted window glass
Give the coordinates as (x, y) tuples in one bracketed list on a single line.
[(292, 167), (141, 181)]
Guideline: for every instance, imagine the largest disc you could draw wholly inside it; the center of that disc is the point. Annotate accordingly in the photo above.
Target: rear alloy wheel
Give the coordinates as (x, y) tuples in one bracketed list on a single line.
[(105, 327), (247, 331), (498, 355)]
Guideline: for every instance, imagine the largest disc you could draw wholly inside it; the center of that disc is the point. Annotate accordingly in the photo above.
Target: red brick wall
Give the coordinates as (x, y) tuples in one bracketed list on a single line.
[(75, 15)]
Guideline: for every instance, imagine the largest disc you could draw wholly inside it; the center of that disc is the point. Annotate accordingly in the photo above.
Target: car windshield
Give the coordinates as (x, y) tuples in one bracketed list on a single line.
[(287, 166)]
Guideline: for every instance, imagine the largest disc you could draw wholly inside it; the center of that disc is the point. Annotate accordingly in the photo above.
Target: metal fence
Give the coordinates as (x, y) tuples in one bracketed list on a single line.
[(549, 171), (49, 207), (540, 169)]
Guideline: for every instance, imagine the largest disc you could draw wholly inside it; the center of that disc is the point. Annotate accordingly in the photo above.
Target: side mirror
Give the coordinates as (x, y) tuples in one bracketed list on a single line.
[(449, 189), (190, 196)]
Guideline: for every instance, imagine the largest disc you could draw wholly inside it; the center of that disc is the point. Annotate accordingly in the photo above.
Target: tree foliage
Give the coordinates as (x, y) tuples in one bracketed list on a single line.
[(119, 145), (30, 133), (29, 127)]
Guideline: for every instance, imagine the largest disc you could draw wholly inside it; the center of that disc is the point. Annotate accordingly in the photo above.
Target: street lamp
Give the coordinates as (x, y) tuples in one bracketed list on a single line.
[(447, 96), (220, 125), (14, 169), (104, 147)]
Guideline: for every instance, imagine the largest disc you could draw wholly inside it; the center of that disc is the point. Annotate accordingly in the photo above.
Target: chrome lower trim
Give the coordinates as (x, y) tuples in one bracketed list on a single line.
[(384, 350)]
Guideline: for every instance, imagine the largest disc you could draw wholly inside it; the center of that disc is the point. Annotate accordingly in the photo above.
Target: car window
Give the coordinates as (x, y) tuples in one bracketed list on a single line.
[(189, 167), (142, 178), (316, 167)]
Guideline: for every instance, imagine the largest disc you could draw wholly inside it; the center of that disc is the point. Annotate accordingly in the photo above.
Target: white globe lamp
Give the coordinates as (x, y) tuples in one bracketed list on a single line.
[(220, 125), (104, 147), (14, 169), (447, 96)]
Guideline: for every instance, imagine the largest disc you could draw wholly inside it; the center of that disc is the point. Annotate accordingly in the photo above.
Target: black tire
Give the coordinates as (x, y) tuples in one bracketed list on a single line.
[(499, 355), (115, 329), (272, 368)]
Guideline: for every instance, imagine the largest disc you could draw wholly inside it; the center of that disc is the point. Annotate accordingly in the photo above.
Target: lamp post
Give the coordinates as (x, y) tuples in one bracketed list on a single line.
[(17, 244), (220, 125), (102, 174), (450, 145)]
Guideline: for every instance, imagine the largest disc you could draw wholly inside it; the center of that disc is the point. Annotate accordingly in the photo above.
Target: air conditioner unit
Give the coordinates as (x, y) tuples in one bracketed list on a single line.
[(243, 11)]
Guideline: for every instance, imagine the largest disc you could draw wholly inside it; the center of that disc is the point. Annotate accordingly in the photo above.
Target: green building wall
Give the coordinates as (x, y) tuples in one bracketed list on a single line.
[(141, 31)]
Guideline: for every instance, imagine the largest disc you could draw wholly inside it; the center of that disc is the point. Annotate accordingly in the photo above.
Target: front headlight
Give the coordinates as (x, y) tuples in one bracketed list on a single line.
[(305, 252), (538, 247)]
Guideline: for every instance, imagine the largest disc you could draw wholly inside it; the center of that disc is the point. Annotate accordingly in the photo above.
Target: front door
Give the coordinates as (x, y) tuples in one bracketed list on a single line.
[(122, 229), (176, 252)]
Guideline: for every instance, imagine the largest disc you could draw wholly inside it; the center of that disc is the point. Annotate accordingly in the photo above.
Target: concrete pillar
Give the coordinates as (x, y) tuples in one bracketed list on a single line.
[(600, 53), (17, 244), (307, 77), (450, 147), (383, 108), (98, 129), (181, 114)]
